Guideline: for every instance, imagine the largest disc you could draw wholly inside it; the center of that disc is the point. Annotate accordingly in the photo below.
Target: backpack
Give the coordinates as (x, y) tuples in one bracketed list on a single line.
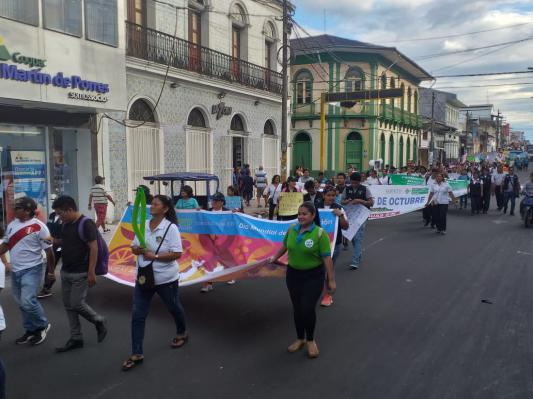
[(102, 260)]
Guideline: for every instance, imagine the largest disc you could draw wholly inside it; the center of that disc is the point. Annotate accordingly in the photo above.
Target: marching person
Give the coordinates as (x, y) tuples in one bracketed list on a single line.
[(486, 178), (313, 195), (163, 249), (463, 199), (497, 186), (511, 190), (260, 184), (100, 197), (79, 254), (330, 196), (309, 255), (4, 265), (475, 189), (54, 226), (290, 188), (439, 195), (357, 194), (26, 238), (272, 194), (427, 214), (341, 187)]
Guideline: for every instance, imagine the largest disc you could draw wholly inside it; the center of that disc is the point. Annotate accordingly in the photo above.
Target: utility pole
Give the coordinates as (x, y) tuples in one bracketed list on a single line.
[(432, 140), (498, 131), (285, 94)]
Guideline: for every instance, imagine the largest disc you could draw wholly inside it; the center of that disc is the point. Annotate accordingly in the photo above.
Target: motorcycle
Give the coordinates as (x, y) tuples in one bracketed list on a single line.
[(527, 211)]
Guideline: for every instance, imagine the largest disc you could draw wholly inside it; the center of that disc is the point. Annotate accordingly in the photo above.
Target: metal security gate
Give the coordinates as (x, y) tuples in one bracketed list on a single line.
[(199, 154), (301, 151), (354, 150)]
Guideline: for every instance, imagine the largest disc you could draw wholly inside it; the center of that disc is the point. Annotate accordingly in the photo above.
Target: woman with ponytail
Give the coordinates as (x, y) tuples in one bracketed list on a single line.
[(163, 249)]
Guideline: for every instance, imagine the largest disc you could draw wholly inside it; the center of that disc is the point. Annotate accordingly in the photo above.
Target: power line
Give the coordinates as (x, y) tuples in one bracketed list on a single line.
[(496, 85), (481, 74), (457, 35)]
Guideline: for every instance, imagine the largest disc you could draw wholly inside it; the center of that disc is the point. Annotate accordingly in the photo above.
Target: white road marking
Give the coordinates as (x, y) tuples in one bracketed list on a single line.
[(524, 253)]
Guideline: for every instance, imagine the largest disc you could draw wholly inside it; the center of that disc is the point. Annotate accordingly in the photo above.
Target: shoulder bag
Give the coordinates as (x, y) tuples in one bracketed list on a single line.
[(145, 275)]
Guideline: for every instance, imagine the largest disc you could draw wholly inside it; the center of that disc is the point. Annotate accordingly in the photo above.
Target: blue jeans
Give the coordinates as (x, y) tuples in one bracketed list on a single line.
[(25, 285), (141, 305), (357, 242), (463, 201), (508, 195)]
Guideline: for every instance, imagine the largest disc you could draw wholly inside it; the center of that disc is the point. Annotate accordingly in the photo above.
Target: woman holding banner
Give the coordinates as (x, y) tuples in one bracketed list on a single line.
[(157, 250), (440, 194), (309, 255), (291, 187)]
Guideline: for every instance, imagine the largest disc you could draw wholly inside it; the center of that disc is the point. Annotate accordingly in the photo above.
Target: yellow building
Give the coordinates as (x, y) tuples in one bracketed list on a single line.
[(386, 129)]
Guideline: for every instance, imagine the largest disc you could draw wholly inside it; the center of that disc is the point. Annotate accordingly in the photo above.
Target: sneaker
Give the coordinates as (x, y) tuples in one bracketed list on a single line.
[(101, 330), (353, 266), (40, 335), (28, 335), (44, 293), (327, 300), (231, 282), (443, 232), (207, 287)]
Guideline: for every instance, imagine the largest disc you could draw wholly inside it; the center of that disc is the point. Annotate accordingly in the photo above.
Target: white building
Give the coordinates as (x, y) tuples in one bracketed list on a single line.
[(203, 88), (62, 66)]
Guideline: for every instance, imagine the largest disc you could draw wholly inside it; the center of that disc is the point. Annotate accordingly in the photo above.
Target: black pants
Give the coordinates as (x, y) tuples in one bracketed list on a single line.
[(439, 216), (486, 201), (305, 288), (285, 218), (499, 197), (427, 214), (271, 209), (475, 201)]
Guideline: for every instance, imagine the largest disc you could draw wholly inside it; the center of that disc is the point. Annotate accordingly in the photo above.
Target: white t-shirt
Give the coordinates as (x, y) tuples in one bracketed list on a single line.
[(273, 192), (440, 193), (27, 253), (373, 181), (164, 272)]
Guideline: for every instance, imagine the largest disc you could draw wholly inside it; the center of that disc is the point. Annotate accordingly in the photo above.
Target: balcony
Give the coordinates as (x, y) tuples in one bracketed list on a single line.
[(161, 48), (395, 114)]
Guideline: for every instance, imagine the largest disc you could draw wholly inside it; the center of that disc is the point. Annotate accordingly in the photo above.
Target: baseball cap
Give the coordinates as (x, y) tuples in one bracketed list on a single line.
[(218, 197), (26, 203)]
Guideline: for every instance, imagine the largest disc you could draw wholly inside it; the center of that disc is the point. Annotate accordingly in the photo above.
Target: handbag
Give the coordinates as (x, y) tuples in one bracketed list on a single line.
[(145, 275)]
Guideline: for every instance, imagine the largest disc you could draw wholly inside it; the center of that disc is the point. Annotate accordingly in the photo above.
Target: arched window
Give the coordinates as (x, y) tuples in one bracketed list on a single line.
[(196, 118), (238, 35), (270, 45), (415, 108), (383, 82), (402, 100), (269, 128), (382, 147), (408, 154), (304, 87), (140, 110), (392, 86), (383, 101), (391, 150), (301, 150), (400, 153), (237, 124), (409, 99), (354, 150), (354, 80)]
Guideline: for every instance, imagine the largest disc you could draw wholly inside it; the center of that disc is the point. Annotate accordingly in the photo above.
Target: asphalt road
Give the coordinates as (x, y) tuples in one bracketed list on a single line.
[(409, 324)]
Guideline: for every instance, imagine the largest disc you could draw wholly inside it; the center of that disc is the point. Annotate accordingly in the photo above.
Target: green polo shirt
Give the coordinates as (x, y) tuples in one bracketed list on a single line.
[(306, 250)]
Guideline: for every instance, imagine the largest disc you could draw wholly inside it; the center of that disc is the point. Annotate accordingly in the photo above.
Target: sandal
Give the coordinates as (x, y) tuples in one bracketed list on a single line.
[(178, 342), (131, 362)]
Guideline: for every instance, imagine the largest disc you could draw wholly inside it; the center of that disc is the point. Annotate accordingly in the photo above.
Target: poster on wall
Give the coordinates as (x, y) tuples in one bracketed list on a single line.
[(29, 176)]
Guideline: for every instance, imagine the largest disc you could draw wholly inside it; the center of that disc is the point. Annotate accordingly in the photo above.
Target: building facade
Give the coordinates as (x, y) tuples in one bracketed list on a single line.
[(483, 126), (203, 91), (361, 131), (61, 69)]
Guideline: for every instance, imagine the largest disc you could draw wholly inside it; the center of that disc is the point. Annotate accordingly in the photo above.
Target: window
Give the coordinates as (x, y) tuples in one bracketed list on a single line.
[(196, 118), (383, 82), (402, 100), (101, 21), (238, 14), (354, 80), (269, 128), (63, 16), (270, 40), (141, 111), (26, 11), (416, 103), (304, 87), (237, 124), (409, 99)]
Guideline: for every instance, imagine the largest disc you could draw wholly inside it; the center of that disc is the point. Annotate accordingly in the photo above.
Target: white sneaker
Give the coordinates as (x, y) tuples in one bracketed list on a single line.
[(231, 282), (207, 287), (40, 336)]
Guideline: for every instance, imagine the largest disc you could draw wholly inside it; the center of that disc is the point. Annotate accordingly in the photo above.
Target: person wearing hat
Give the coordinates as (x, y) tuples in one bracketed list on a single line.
[(25, 240), (357, 194), (217, 202), (100, 197)]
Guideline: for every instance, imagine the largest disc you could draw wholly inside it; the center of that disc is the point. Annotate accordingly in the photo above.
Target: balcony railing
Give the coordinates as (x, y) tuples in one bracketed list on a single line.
[(159, 47)]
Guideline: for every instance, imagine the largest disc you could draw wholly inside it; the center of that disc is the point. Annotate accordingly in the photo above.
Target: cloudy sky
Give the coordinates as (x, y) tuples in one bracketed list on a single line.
[(408, 24)]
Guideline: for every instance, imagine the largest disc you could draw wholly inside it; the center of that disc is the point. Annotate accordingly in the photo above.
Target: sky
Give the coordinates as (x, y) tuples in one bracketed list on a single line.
[(407, 24)]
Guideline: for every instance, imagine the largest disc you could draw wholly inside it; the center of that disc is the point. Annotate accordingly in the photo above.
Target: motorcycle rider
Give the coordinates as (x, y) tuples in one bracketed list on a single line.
[(528, 191)]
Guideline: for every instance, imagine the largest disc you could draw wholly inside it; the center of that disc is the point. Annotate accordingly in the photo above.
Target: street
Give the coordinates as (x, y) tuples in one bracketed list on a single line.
[(426, 316)]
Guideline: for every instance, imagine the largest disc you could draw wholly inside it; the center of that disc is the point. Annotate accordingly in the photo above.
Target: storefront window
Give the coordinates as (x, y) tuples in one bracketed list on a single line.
[(23, 168)]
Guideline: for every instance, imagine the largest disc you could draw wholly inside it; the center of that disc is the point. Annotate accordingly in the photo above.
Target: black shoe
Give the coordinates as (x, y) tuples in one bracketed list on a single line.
[(45, 293), (511, 214), (70, 345), (28, 335), (101, 330), (426, 224), (504, 210), (40, 336)]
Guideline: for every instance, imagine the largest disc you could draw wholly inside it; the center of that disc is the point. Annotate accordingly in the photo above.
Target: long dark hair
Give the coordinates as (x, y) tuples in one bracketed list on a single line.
[(171, 212), (312, 210)]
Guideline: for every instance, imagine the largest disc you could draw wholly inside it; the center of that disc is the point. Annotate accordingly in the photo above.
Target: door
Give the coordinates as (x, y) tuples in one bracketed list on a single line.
[(391, 151), (236, 52), (301, 151), (137, 43), (268, 62), (238, 152), (400, 153), (354, 151), (195, 39)]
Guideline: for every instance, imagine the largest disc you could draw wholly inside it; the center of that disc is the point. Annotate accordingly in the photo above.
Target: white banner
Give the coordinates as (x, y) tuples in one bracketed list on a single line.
[(392, 201), (356, 215)]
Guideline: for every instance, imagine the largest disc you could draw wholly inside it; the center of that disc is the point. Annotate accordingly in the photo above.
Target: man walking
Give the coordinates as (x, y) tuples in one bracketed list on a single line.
[(260, 185), (26, 238), (486, 178), (511, 190), (100, 197), (78, 272), (497, 182), (357, 194)]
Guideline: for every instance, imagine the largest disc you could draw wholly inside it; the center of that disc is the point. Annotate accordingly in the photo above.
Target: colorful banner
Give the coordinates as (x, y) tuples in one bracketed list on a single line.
[(289, 203), (459, 187), (29, 175), (392, 201), (216, 246)]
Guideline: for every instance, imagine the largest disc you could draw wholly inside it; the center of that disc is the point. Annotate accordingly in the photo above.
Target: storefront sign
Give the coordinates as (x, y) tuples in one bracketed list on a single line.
[(19, 58), (220, 110), (29, 175)]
